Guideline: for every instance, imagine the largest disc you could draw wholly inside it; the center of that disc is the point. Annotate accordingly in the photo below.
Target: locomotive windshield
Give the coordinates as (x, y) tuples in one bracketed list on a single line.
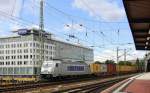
[(46, 65)]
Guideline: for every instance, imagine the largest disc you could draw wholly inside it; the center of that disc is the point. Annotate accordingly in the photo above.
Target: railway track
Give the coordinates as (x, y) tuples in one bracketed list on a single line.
[(56, 83), (23, 86), (92, 88)]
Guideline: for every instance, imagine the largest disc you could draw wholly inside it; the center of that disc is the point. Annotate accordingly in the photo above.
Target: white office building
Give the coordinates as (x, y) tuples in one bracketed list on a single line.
[(21, 55)]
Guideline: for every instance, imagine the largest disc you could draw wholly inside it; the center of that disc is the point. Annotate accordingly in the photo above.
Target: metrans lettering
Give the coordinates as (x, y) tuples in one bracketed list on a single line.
[(22, 31)]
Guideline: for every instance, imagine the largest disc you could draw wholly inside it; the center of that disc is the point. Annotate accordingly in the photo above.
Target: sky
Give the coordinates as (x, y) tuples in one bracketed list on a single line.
[(98, 24)]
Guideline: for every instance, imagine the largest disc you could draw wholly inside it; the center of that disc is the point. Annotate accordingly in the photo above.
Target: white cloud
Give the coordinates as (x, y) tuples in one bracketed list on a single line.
[(110, 54), (105, 9), (14, 27), (104, 55), (8, 10), (136, 54), (5, 28), (33, 26), (10, 7), (32, 6)]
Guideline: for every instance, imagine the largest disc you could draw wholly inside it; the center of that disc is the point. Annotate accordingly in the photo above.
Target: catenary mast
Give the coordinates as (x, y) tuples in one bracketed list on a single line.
[(41, 27)]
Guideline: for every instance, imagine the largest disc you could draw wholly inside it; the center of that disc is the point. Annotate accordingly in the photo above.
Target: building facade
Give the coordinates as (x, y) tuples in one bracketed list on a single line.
[(21, 55), (72, 52)]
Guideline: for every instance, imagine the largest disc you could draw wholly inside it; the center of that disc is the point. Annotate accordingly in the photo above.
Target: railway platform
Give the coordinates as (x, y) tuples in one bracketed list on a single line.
[(137, 84)]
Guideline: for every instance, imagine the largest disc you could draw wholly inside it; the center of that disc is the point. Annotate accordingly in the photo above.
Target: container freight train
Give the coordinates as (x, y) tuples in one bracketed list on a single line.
[(57, 68), (111, 69)]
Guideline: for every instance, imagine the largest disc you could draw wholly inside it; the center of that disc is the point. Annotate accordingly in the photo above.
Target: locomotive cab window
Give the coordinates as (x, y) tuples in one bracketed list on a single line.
[(56, 64)]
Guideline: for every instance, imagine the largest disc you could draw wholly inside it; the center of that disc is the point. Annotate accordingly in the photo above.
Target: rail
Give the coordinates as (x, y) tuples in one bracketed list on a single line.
[(39, 85)]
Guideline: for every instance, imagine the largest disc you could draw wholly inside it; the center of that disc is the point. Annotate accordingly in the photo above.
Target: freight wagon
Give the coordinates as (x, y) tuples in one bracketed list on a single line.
[(111, 69), (124, 69), (103, 69), (98, 69)]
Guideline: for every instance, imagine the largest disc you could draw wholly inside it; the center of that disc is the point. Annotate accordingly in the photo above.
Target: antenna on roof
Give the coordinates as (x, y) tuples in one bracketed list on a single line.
[(41, 25)]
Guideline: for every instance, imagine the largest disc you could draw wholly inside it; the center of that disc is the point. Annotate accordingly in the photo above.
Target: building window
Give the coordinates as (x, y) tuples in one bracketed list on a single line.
[(22, 70), (8, 51), (12, 51), (12, 57), (31, 56), (19, 62), (12, 63), (25, 62), (25, 50), (31, 63), (1, 57), (8, 46), (17, 45), (30, 70), (7, 57), (20, 51), (30, 44), (75, 68), (20, 45), (51, 57), (8, 63), (34, 50), (20, 57), (25, 56), (5, 71), (14, 45), (34, 44), (17, 51), (1, 63), (16, 70)]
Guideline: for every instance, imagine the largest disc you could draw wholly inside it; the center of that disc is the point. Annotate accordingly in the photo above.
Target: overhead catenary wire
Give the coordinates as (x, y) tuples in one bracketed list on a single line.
[(13, 8), (105, 36), (69, 16), (22, 7), (79, 17), (86, 4), (19, 19), (26, 22), (82, 26)]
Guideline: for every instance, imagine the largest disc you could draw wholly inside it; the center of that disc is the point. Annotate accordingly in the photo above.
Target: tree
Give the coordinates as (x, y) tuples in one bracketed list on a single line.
[(140, 64), (125, 63), (128, 63), (121, 63), (97, 62), (110, 62)]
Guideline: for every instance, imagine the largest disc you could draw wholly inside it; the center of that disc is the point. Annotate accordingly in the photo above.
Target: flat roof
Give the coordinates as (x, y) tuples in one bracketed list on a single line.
[(138, 14), (77, 45), (56, 40)]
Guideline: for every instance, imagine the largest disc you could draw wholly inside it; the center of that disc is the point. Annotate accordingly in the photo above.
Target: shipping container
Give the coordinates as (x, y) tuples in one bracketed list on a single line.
[(95, 68), (123, 69), (103, 68), (111, 69)]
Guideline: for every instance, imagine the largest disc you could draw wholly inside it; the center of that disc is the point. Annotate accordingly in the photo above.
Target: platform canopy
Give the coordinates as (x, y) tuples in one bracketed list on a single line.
[(138, 14)]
